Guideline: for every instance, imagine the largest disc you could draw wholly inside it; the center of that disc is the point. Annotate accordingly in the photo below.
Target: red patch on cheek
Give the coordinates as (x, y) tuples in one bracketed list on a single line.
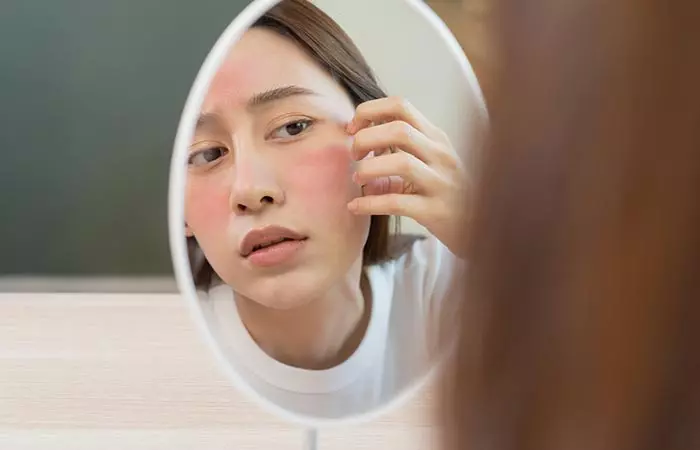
[(206, 206), (323, 178)]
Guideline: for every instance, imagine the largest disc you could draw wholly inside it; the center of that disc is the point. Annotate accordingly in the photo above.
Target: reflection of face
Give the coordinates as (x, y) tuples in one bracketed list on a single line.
[(271, 149)]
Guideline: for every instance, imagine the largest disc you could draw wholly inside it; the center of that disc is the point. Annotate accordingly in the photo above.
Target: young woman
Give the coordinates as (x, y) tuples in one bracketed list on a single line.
[(298, 161)]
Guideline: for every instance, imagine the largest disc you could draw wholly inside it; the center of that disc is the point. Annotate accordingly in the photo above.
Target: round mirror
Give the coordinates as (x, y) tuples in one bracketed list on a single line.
[(322, 150)]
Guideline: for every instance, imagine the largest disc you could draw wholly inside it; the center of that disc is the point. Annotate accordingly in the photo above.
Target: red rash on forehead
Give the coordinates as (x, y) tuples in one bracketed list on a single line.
[(261, 60), (239, 77)]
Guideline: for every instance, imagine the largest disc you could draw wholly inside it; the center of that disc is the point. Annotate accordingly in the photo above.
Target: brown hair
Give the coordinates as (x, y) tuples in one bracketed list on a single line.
[(582, 325), (334, 51)]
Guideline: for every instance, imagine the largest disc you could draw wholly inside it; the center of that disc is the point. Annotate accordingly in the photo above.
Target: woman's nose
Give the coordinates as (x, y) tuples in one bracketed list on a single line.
[(254, 187)]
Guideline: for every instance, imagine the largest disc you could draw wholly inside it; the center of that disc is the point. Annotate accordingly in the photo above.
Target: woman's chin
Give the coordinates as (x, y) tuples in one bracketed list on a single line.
[(284, 304), (288, 290), (285, 295)]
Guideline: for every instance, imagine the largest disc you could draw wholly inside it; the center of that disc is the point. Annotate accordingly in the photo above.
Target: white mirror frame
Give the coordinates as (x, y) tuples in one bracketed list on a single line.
[(176, 195)]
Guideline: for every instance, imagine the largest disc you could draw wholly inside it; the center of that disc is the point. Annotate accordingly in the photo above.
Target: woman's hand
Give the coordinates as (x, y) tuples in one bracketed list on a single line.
[(415, 171)]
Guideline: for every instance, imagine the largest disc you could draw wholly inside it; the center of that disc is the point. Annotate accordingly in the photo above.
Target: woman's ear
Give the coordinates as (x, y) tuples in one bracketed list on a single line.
[(188, 231)]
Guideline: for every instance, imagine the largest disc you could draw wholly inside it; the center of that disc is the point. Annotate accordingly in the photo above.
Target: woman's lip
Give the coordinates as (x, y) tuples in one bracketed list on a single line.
[(264, 235), (276, 254)]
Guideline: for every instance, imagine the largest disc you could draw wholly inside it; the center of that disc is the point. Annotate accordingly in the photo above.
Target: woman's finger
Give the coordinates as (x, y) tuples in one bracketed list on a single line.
[(399, 134), (386, 185), (390, 109), (413, 206), (413, 171)]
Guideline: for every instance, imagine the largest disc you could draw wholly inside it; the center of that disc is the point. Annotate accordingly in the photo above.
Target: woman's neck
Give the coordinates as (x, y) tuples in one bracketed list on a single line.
[(319, 335)]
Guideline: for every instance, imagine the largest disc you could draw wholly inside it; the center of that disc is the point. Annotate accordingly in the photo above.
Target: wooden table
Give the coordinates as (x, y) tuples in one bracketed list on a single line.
[(129, 371)]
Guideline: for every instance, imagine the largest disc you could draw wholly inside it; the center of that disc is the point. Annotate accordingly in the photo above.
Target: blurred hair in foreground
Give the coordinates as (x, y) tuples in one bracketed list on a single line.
[(581, 326)]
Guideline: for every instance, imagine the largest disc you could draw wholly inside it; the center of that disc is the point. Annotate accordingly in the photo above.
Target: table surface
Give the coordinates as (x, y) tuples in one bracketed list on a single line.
[(117, 371)]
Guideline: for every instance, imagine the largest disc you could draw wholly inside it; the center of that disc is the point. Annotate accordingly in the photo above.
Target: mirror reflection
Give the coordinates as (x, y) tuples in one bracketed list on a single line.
[(300, 166)]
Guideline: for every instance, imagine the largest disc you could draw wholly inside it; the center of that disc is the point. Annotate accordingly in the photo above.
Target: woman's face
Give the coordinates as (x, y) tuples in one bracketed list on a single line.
[(271, 150)]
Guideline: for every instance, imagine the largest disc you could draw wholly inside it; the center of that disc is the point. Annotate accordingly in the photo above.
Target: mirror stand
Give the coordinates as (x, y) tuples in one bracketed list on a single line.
[(311, 442)]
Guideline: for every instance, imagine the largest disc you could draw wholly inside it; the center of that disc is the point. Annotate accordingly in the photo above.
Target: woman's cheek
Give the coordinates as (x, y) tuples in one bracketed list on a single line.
[(323, 178), (206, 206)]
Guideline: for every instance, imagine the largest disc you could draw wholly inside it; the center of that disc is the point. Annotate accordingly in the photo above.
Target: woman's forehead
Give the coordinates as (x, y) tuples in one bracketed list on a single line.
[(263, 60)]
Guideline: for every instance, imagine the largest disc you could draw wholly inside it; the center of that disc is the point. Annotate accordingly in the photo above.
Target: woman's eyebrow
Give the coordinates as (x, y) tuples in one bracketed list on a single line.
[(213, 121), (273, 95)]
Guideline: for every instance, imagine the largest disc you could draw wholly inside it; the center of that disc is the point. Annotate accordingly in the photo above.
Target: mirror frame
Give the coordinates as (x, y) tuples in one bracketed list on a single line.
[(176, 216)]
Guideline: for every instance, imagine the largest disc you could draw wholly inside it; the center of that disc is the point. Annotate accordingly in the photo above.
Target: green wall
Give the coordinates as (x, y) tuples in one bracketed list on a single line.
[(90, 95)]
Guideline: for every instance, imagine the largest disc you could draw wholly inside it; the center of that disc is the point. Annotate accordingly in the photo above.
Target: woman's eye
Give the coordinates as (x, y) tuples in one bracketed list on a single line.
[(206, 156), (292, 129)]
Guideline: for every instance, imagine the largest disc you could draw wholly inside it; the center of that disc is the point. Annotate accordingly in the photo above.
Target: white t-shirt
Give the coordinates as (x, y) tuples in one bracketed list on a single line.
[(395, 353)]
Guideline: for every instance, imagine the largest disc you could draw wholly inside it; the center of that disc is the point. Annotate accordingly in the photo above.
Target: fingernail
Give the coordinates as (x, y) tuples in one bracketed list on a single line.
[(352, 206)]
